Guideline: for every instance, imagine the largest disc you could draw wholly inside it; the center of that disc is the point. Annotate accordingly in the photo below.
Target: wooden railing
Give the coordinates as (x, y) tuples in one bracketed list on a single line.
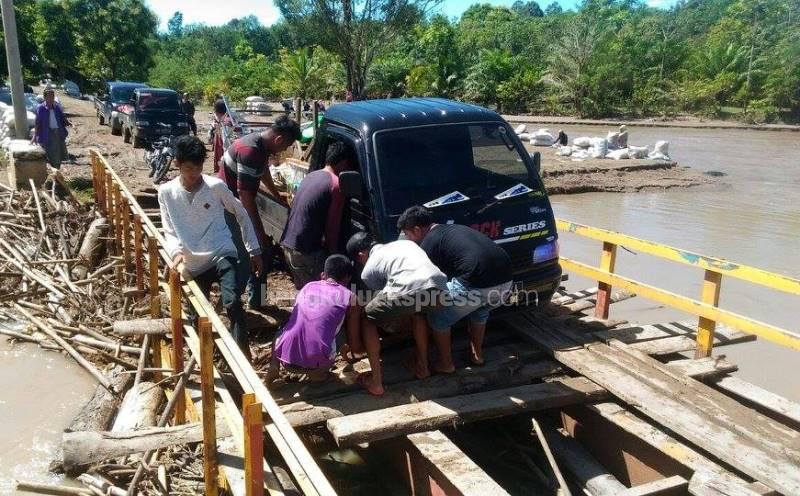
[(707, 308), (138, 241)]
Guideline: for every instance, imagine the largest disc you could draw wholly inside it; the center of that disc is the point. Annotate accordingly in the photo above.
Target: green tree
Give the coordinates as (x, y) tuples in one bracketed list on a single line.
[(355, 30), (553, 9), (175, 25), (306, 74), (54, 34), (494, 67)]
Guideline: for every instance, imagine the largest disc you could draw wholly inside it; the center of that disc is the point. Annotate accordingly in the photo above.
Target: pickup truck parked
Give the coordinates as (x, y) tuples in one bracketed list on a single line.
[(153, 113), (116, 98), (464, 162)]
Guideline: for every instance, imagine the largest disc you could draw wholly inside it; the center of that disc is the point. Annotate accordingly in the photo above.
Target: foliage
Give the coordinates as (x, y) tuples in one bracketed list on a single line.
[(307, 74)]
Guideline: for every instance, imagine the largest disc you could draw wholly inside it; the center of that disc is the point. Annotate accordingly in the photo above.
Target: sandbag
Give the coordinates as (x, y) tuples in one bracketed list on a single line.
[(637, 152), (564, 151), (24, 150), (582, 142), (599, 148), (579, 154), (662, 147), (658, 156), (254, 99), (618, 154), (542, 137), (613, 140), (520, 129)]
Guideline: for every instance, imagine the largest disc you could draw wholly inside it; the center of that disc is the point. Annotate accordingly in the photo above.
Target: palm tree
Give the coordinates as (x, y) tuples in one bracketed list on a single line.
[(301, 74)]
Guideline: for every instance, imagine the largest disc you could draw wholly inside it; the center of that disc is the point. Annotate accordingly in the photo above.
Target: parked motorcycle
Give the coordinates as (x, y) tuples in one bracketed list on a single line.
[(159, 157)]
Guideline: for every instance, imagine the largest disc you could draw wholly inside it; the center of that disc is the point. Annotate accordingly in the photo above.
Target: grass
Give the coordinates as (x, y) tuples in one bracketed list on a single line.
[(82, 188)]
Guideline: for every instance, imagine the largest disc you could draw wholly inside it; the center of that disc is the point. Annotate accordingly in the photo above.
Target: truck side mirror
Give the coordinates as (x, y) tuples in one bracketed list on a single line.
[(350, 184), (537, 163)]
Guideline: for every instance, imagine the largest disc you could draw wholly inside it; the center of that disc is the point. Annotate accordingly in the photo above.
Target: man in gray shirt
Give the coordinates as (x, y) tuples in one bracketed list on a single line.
[(407, 285)]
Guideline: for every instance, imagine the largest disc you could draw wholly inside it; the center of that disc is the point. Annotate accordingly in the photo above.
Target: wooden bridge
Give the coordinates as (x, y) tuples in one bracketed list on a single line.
[(615, 408)]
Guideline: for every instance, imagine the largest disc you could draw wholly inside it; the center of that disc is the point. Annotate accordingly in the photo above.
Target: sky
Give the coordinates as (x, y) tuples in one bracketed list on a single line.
[(215, 12)]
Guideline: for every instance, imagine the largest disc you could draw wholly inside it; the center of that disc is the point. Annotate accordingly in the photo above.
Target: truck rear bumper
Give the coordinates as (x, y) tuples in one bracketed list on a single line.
[(537, 283)]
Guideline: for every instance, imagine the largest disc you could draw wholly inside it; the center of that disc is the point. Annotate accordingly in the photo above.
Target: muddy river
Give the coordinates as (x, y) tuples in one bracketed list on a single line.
[(752, 216)]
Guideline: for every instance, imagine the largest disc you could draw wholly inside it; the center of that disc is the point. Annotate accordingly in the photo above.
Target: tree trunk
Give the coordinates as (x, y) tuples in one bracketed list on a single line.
[(91, 248), (139, 408), (98, 413)]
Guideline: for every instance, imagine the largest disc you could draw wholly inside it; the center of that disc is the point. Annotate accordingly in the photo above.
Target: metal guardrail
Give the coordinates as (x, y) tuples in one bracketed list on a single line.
[(140, 245), (707, 308)]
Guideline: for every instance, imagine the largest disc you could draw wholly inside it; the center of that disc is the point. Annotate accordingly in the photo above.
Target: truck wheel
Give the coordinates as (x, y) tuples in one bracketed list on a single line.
[(116, 131), (127, 136), (101, 120), (137, 142)]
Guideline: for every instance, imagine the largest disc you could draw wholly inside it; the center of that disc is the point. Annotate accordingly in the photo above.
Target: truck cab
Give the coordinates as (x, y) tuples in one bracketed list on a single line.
[(461, 161), (116, 97), (152, 114)]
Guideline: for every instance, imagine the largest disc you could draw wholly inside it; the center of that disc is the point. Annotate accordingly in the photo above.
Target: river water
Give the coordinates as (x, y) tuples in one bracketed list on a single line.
[(752, 216)]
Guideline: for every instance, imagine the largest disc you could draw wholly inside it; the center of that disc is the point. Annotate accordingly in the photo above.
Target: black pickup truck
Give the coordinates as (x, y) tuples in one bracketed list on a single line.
[(153, 113), (462, 161), (114, 99)]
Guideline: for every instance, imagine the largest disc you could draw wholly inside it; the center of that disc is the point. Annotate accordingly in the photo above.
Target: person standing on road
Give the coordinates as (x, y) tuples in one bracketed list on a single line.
[(50, 130), (315, 218), (197, 237), (221, 120), (478, 272), (188, 108), (246, 167)]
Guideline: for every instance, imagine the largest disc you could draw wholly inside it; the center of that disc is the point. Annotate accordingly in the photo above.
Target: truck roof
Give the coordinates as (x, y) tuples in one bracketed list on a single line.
[(373, 115), (162, 91), (127, 84)]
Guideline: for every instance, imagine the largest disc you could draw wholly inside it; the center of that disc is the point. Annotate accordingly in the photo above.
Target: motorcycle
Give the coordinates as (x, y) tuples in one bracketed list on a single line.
[(159, 157)]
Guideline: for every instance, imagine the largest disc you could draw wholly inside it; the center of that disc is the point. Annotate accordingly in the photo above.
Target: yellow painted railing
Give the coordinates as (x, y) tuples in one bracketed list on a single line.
[(706, 308)]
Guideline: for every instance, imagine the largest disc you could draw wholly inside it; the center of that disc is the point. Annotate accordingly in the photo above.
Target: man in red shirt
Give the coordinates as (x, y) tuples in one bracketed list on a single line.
[(246, 167)]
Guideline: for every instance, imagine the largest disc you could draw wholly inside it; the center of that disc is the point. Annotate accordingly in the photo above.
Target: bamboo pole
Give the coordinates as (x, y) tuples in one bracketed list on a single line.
[(176, 310), (109, 197), (253, 445), (125, 214), (155, 301), (38, 204), (209, 403)]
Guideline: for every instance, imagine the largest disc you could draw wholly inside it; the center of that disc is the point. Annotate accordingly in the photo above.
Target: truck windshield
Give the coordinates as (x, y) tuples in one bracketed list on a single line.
[(122, 95), (158, 101), (419, 165)]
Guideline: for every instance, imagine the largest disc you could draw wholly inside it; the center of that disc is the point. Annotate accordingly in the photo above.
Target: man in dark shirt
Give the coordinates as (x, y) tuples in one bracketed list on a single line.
[(561, 139), (315, 218), (479, 274), (246, 167), (188, 108)]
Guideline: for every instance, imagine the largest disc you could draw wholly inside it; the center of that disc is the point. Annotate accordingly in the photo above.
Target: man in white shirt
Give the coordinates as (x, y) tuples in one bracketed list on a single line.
[(197, 237), (408, 284)]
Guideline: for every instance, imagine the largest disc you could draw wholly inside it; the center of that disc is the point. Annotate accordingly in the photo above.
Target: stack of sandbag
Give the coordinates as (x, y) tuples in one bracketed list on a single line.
[(542, 137), (8, 123), (582, 142), (637, 152), (256, 103), (613, 141), (620, 154), (564, 151), (660, 151)]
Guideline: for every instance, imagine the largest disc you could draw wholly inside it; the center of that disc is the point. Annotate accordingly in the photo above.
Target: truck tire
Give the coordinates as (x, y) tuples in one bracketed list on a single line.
[(116, 131), (137, 142), (101, 120), (126, 136)]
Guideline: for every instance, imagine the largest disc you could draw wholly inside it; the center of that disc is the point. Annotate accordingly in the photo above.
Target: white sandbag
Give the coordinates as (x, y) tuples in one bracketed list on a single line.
[(542, 137), (637, 152), (599, 148), (579, 154), (621, 154), (8, 120), (520, 129), (661, 147), (254, 99), (524, 136), (658, 156), (582, 142), (613, 140), (564, 151), (31, 119)]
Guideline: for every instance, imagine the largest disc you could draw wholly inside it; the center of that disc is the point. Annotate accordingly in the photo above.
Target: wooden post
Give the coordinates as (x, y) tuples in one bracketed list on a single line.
[(175, 313), (101, 183), (117, 214), (138, 252), (155, 302), (210, 470), (607, 261), (109, 192), (95, 178), (125, 214), (253, 446), (705, 327), (298, 110)]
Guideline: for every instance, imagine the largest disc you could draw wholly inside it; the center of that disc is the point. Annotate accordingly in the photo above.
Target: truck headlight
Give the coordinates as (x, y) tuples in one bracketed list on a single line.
[(142, 123), (545, 252)]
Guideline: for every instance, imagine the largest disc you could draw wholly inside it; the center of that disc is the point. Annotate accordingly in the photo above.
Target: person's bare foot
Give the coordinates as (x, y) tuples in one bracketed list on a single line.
[(443, 368), (476, 360), (372, 386), (413, 366)]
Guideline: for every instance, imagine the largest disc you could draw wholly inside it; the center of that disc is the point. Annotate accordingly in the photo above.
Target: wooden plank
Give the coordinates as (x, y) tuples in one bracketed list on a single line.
[(607, 262), (429, 415), (585, 469), (637, 334), (705, 327), (753, 443), (176, 317), (670, 486), (784, 408), (253, 445), (142, 326), (464, 381), (464, 475), (702, 368), (678, 344)]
